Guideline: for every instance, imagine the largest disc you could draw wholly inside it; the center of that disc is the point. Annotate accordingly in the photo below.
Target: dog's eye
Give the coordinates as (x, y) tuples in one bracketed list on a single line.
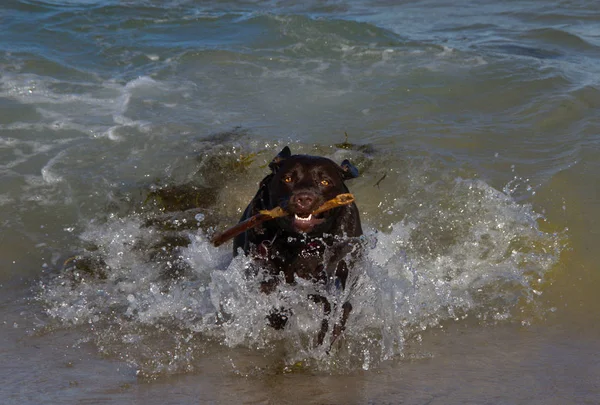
[(287, 179), (324, 182)]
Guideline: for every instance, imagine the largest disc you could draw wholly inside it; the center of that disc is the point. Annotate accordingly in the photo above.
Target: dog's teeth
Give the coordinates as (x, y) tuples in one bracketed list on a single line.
[(308, 218)]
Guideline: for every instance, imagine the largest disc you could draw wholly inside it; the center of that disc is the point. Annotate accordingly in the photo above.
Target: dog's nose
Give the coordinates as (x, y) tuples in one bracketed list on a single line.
[(303, 201)]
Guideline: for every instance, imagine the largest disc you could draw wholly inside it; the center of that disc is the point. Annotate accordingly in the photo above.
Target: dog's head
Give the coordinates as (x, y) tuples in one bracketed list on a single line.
[(301, 183)]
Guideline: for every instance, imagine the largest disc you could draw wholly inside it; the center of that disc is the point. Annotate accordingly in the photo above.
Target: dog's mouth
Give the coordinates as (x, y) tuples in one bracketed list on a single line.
[(305, 222)]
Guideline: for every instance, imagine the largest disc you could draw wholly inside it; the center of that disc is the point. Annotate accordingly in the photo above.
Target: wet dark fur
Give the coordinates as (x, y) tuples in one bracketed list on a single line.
[(315, 249)]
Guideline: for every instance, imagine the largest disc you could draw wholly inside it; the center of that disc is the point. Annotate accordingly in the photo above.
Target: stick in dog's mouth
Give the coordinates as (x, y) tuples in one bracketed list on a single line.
[(277, 212)]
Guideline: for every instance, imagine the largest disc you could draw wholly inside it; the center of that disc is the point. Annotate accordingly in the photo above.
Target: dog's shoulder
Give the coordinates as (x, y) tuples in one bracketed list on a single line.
[(257, 204)]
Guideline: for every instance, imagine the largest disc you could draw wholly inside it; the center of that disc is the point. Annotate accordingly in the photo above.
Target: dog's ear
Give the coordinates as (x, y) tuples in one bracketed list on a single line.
[(349, 171), (277, 160)]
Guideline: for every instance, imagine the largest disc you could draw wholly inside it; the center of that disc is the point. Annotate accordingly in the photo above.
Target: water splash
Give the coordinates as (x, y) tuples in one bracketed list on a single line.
[(162, 298)]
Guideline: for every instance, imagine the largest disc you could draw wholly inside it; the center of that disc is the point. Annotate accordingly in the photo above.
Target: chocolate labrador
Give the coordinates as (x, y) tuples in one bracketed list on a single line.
[(314, 247)]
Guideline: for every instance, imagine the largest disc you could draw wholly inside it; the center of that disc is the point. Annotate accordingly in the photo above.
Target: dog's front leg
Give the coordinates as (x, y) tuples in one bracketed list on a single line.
[(341, 276), (338, 328), (319, 299), (278, 317)]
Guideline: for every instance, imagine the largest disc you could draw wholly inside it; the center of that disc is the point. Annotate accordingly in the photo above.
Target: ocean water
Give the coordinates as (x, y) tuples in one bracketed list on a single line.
[(132, 131)]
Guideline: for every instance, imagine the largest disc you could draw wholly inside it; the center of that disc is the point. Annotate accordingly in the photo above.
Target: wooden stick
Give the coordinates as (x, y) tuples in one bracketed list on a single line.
[(262, 216), (338, 201), (277, 212)]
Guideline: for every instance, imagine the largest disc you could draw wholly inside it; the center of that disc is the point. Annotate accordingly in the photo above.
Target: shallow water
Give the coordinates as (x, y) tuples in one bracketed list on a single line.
[(132, 131)]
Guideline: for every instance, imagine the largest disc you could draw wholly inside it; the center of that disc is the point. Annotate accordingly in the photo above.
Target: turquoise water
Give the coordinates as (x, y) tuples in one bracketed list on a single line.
[(475, 129)]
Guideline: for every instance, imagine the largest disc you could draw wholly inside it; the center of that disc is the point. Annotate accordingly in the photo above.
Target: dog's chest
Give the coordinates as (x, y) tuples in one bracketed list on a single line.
[(302, 257)]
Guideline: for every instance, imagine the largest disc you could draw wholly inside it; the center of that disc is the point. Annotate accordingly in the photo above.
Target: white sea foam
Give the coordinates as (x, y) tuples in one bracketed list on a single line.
[(95, 109), (48, 175)]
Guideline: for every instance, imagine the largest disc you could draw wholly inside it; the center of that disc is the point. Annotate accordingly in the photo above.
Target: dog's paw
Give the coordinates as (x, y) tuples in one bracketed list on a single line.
[(278, 318)]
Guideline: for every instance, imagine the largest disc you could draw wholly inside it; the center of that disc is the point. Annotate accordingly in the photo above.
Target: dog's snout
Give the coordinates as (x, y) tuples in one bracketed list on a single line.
[(303, 201)]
